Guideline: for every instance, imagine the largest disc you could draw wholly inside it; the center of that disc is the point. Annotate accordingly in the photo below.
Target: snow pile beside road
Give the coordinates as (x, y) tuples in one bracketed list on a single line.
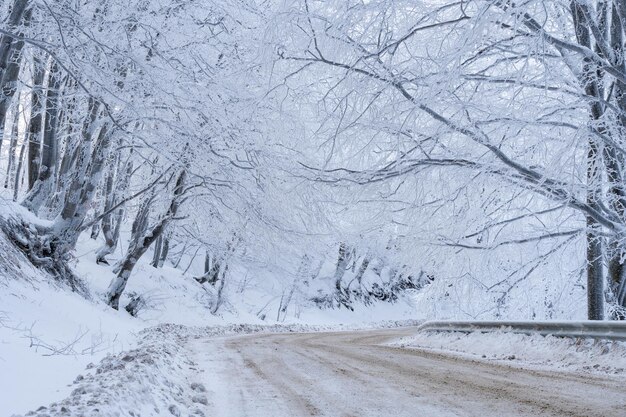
[(535, 351), (155, 378), (148, 381), (47, 336)]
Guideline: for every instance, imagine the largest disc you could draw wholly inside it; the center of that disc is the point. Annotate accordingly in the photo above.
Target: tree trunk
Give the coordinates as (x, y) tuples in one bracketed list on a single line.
[(219, 298), (590, 80), (42, 187), (364, 264), (207, 262), (303, 271), (18, 171), (95, 232), (138, 248), (35, 123), (211, 270), (340, 270), (113, 236), (157, 252), (12, 149), (164, 252), (48, 247), (106, 224), (614, 163), (10, 52)]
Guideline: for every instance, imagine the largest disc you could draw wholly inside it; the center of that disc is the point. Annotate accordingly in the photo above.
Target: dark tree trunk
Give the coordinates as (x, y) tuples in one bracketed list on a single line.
[(138, 249), (340, 270), (595, 251), (364, 264), (35, 125), (157, 252), (207, 262), (212, 267), (164, 252), (614, 163)]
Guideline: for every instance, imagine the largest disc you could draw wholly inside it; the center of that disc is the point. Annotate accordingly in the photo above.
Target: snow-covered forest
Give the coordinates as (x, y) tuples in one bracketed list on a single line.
[(306, 161)]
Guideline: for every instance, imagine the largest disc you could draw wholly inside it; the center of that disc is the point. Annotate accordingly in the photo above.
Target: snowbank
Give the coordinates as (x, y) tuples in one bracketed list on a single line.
[(538, 352), (47, 336)]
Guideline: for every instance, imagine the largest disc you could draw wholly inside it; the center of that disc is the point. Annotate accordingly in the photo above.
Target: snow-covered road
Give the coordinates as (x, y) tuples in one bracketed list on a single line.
[(355, 374)]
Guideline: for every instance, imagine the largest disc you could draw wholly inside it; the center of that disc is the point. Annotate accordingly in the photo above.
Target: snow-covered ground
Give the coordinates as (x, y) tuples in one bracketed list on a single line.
[(529, 351), (49, 335), (282, 371), (152, 379)]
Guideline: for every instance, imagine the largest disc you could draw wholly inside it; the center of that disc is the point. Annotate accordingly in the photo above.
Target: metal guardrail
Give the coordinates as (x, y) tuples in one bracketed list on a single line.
[(610, 330)]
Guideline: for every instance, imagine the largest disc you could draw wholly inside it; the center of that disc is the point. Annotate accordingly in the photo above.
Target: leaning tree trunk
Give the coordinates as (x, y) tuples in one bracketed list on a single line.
[(364, 264), (111, 222), (220, 269), (360, 272), (69, 146), (139, 226), (106, 223), (138, 248)]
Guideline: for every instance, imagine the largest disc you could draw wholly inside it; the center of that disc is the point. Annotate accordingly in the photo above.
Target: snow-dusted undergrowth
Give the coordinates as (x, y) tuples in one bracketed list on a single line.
[(533, 351)]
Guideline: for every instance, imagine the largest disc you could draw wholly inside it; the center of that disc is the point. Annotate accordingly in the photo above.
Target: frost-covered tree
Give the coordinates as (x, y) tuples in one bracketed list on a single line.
[(520, 102), (114, 92)]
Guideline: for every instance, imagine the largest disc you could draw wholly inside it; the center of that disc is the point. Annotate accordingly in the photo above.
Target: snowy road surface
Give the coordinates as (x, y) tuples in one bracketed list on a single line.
[(353, 374)]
